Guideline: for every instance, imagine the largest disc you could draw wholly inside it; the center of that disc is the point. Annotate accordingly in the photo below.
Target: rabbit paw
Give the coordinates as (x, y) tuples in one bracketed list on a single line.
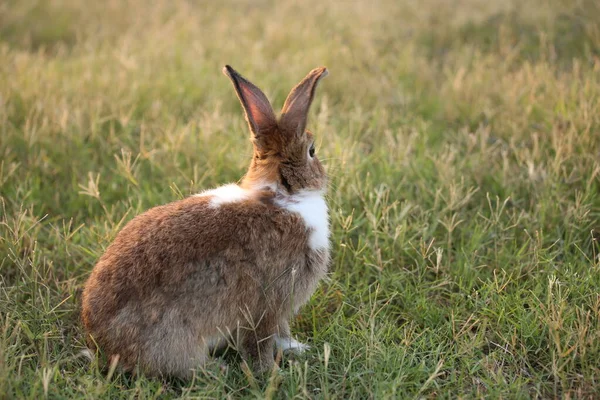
[(286, 344)]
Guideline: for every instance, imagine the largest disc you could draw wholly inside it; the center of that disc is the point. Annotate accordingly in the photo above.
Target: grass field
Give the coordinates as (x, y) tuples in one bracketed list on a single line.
[(462, 141)]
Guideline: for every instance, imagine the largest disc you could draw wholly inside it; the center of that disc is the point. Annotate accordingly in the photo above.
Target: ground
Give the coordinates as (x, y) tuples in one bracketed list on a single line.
[(462, 141)]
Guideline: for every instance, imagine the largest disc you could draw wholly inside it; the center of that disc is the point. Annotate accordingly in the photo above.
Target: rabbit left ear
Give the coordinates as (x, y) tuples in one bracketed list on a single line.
[(259, 113), (294, 114)]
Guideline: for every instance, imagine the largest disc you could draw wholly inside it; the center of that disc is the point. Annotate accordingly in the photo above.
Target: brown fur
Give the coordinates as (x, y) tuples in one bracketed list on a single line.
[(182, 277)]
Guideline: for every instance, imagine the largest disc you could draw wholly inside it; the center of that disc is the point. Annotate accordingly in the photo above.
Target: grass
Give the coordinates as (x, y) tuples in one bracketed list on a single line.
[(463, 145)]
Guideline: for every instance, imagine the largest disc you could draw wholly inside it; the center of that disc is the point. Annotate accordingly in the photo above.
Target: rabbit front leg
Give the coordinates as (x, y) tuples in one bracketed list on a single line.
[(286, 342), (257, 347)]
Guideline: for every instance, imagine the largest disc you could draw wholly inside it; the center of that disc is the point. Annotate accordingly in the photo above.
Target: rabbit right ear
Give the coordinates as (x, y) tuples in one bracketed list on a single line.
[(259, 113), (295, 110)]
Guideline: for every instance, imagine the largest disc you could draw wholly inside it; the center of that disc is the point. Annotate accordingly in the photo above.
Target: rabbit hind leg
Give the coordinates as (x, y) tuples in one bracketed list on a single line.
[(173, 350)]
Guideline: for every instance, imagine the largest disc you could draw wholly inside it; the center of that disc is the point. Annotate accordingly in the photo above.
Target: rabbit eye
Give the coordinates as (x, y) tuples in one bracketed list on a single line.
[(311, 151)]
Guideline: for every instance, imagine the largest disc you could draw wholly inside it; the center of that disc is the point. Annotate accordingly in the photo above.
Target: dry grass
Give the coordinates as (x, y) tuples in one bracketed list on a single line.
[(463, 142)]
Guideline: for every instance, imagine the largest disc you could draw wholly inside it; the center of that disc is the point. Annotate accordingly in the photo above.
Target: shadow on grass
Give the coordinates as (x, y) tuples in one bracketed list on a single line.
[(572, 34), (37, 25)]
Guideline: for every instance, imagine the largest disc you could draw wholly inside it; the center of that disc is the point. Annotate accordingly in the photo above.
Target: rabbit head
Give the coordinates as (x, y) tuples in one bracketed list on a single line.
[(284, 151)]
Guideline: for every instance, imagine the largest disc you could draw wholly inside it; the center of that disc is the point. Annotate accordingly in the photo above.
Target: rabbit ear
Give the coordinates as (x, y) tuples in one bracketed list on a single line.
[(259, 113), (297, 104)]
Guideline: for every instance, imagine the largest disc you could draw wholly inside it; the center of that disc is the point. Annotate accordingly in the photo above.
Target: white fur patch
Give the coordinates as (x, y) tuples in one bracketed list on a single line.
[(312, 208), (290, 344), (309, 204), (225, 194)]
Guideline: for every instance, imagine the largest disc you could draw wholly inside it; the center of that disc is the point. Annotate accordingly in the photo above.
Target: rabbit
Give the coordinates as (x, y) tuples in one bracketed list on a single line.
[(228, 265)]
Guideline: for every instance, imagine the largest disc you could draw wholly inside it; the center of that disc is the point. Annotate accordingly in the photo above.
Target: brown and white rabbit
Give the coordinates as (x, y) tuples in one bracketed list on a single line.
[(232, 263)]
